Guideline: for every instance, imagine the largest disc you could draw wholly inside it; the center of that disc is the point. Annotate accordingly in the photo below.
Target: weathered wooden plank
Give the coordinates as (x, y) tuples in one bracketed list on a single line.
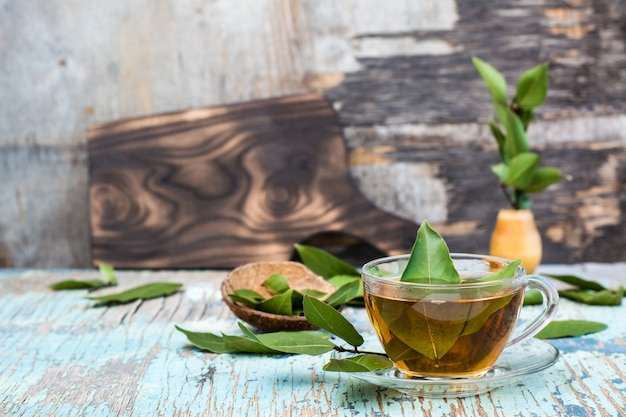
[(222, 186), (43, 212), (583, 43), (398, 64), (579, 220), (61, 356)]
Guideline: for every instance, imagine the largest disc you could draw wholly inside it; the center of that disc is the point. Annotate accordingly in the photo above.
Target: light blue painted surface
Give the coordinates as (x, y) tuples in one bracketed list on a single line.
[(61, 357)]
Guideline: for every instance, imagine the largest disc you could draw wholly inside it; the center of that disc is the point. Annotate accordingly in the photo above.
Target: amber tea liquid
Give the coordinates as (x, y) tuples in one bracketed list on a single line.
[(431, 337)]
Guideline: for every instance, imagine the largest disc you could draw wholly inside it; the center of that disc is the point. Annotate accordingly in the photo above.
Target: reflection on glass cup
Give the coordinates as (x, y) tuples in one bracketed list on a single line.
[(451, 330)]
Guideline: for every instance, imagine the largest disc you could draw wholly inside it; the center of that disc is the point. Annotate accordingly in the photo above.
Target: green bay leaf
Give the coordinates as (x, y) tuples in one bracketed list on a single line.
[(244, 344), (570, 328), (506, 272), (532, 87), (326, 317), (78, 284), (277, 283), (247, 296), (359, 363), (598, 298), (142, 292), (544, 177), (430, 260), (495, 81), (297, 342), (476, 320), (206, 341), (533, 297), (346, 293), (417, 329), (279, 304), (323, 263), (577, 281), (108, 273), (521, 170), (516, 139)]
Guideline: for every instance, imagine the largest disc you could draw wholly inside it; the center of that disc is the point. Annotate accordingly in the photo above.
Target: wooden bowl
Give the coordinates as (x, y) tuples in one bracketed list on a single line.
[(252, 276)]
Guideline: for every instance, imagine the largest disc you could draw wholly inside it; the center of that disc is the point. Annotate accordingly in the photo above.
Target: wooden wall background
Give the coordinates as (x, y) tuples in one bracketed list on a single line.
[(398, 73)]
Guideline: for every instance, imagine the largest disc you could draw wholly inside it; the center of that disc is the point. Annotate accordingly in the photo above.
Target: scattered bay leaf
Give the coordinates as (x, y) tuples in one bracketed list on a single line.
[(570, 328), (106, 272), (142, 292), (304, 342), (206, 341), (598, 298), (78, 284), (360, 363), (244, 344), (578, 282)]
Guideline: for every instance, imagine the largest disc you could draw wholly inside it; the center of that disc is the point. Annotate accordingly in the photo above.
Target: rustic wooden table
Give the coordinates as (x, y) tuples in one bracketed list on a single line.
[(61, 356)]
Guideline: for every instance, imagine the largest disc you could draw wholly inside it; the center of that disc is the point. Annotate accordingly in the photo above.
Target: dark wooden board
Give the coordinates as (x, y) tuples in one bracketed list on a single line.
[(219, 187)]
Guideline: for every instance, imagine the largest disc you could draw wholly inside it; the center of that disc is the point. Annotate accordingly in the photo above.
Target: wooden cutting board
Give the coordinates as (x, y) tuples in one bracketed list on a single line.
[(222, 186)]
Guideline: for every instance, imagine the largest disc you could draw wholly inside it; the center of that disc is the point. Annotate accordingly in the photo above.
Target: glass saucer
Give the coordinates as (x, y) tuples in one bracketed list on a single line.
[(515, 362)]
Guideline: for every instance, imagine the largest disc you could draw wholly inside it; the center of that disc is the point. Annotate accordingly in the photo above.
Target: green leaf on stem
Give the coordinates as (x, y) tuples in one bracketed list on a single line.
[(303, 342), (532, 87), (298, 342), (570, 328), (430, 260), (244, 344), (521, 170), (142, 292), (544, 177), (516, 140), (326, 317), (496, 84), (499, 136)]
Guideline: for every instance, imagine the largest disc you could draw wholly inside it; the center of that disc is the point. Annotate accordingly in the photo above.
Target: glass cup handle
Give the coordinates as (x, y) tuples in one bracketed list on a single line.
[(549, 308)]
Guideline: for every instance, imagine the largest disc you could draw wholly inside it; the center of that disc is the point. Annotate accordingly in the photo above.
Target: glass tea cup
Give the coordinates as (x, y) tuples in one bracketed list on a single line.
[(451, 330)]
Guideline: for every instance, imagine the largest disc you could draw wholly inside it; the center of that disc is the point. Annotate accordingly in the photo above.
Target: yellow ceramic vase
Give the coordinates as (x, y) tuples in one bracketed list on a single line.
[(516, 236)]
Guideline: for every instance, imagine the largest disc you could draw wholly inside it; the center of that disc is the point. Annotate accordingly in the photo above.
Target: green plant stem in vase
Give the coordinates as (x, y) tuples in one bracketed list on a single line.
[(520, 171)]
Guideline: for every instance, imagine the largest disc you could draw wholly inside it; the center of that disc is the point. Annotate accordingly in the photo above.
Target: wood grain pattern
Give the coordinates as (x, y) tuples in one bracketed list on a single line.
[(59, 356), (582, 219), (583, 42), (384, 65), (223, 186)]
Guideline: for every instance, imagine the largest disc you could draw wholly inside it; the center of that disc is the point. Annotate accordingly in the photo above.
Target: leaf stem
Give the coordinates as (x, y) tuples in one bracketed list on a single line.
[(507, 194), (356, 350)]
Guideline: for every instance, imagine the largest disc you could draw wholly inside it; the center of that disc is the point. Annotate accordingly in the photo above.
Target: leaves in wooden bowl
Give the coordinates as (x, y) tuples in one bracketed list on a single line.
[(256, 285)]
